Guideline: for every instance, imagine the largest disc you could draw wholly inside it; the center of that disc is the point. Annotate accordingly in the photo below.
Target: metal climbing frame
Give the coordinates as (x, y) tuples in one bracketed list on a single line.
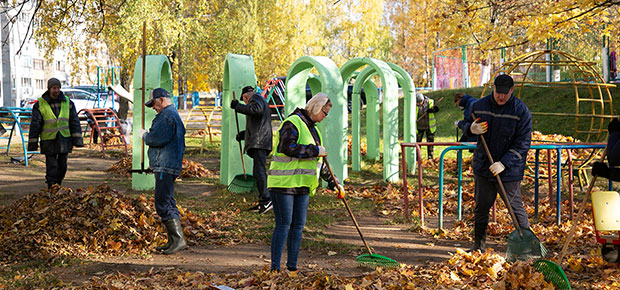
[(16, 119), (107, 126), (210, 116), (277, 86)]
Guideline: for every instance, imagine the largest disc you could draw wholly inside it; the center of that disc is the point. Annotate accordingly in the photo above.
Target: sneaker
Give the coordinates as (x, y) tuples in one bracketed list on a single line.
[(254, 208), (265, 208)]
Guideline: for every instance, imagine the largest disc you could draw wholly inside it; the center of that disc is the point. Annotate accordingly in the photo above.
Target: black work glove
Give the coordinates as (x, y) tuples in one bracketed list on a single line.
[(614, 125), (600, 169), (240, 136), (78, 142), (233, 104), (33, 146), (434, 109)]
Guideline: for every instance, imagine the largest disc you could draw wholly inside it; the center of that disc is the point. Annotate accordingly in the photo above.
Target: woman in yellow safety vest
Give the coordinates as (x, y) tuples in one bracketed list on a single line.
[(293, 176)]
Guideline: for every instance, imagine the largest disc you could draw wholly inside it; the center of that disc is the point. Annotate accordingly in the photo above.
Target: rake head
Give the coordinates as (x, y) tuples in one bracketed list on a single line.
[(374, 260)]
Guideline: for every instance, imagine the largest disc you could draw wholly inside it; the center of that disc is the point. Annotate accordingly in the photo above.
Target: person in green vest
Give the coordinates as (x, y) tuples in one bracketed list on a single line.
[(56, 123), (426, 122), (294, 174)]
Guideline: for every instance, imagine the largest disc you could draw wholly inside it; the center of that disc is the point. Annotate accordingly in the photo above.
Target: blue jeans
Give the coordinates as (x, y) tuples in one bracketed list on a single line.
[(290, 213), (165, 205)]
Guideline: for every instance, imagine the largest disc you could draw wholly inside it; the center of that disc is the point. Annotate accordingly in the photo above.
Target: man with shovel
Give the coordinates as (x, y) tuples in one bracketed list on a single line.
[(257, 136), (166, 141), (505, 123)]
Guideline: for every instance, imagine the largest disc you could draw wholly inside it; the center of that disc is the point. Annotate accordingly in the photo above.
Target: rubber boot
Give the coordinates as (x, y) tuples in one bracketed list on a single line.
[(175, 233), (168, 243), (480, 237)]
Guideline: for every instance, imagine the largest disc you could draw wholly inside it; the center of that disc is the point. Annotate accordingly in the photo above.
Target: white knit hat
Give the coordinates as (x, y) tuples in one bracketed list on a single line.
[(316, 103)]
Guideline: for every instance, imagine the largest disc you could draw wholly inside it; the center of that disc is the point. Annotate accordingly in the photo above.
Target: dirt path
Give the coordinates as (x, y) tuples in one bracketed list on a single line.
[(86, 168)]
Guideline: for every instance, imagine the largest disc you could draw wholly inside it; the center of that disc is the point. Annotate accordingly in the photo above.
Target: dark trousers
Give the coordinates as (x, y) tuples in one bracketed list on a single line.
[(430, 137), (260, 172), (290, 213), (485, 193), (165, 205), (55, 168)]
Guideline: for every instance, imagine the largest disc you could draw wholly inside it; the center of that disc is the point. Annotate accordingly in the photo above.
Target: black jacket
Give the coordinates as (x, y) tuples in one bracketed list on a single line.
[(60, 144), (258, 132)]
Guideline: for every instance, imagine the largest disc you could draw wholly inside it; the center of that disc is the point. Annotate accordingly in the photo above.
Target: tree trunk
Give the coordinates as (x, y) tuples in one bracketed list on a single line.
[(123, 105)]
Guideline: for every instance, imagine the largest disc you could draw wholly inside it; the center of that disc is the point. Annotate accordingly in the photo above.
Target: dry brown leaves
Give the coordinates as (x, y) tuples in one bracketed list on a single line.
[(190, 169), (462, 271), (363, 149), (91, 222)]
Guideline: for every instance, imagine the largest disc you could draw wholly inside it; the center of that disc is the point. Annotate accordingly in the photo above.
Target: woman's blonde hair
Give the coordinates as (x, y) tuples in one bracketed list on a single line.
[(316, 103)]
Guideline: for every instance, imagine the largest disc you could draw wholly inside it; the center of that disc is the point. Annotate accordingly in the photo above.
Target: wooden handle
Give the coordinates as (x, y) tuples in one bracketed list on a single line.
[(245, 176), (501, 184), (143, 90), (348, 208), (571, 233)]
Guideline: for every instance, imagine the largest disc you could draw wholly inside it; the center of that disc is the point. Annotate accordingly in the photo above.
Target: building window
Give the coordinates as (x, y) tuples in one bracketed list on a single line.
[(26, 82), (27, 62), (38, 64), (60, 66), (40, 84)]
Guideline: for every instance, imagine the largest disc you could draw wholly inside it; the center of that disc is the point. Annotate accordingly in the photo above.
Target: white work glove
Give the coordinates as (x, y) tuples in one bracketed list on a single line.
[(478, 127), (497, 168), (141, 133), (322, 152), (456, 123), (340, 191)]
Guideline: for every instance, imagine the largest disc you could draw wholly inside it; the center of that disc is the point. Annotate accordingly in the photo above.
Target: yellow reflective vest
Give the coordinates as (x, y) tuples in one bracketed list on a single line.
[(291, 172), (52, 124), (432, 122)]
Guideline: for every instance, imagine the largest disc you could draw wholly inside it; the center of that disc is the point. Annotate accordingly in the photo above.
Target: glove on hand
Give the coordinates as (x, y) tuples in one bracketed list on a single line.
[(322, 152), (340, 191), (614, 125), (497, 168), (240, 136), (33, 146), (600, 169), (456, 123), (479, 128), (142, 132), (234, 104)]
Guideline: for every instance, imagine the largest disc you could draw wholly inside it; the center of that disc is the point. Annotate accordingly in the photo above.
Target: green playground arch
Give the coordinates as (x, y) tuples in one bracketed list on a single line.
[(238, 73), (326, 80), (157, 75), (390, 109)]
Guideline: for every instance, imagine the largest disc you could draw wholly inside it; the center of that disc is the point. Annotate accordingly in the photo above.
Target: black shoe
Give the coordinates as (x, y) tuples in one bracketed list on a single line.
[(254, 208), (168, 243), (263, 208)]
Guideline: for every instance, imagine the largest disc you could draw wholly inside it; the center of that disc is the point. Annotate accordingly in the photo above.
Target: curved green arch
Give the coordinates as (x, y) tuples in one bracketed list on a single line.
[(410, 112), (238, 73), (158, 75), (335, 124), (390, 109)]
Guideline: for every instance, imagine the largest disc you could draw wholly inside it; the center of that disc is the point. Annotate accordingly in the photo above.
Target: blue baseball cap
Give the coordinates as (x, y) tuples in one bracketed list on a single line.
[(156, 94)]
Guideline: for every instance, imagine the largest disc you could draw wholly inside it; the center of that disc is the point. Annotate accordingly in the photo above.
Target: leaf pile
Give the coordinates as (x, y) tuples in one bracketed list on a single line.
[(194, 169), (462, 271), (363, 149), (91, 222), (189, 169)]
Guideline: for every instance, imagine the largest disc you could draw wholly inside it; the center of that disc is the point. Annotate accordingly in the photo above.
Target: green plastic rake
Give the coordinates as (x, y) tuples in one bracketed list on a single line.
[(365, 260)]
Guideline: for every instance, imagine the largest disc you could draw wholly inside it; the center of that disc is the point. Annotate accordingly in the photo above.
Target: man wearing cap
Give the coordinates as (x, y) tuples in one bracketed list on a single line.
[(166, 141), (258, 138), (55, 122), (506, 124), (426, 123)]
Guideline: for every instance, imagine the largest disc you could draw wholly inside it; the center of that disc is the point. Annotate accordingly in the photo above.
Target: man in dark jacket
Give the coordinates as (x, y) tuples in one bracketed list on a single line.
[(166, 141), (506, 124), (258, 138), (465, 102), (55, 121)]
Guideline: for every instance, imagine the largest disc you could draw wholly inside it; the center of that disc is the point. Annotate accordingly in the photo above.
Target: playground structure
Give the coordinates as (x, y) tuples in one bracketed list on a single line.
[(274, 94), (157, 75), (18, 121), (204, 120), (322, 75), (103, 124), (557, 69), (460, 67)]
